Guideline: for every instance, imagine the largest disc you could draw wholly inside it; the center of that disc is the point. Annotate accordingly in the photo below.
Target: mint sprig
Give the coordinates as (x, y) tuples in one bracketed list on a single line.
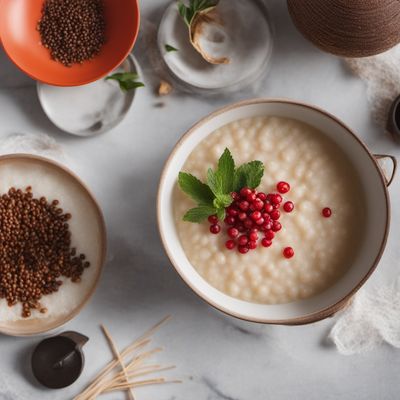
[(188, 12), (126, 80), (215, 195)]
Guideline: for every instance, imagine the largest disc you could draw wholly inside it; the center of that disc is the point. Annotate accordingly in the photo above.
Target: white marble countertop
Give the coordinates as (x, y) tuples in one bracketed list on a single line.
[(218, 357)]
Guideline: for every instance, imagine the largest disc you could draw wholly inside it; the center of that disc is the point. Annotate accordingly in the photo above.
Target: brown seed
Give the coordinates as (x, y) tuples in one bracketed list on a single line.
[(34, 249), (73, 30)]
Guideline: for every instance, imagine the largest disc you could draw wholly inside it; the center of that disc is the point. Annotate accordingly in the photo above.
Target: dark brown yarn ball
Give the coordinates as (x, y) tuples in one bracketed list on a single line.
[(349, 28)]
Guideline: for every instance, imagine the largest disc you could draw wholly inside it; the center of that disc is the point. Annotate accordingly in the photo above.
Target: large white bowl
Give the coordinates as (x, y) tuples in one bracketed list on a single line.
[(373, 182)]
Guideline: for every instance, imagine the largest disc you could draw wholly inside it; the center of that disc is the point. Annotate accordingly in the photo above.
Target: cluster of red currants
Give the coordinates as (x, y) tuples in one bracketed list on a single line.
[(253, 214)]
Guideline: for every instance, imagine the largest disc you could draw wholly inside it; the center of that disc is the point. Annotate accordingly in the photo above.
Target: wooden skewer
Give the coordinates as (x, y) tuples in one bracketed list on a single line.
[(131, 369), (158, 381), (121, 361), (137, 374), (112, 364)]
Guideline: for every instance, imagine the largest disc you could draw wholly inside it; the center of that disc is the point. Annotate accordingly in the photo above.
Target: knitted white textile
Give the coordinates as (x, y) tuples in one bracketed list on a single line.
[(381, 73), (371, 319)]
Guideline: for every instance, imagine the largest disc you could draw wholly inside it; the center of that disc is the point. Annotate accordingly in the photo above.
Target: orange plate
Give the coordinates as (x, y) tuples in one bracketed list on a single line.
[(21, 41)]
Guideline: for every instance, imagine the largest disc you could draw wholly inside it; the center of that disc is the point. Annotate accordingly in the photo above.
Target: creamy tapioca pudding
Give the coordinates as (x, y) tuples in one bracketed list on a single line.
[(320, 177)]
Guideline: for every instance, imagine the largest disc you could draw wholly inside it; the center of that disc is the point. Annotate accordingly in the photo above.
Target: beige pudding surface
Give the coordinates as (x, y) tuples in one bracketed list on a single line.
[(320, 175)]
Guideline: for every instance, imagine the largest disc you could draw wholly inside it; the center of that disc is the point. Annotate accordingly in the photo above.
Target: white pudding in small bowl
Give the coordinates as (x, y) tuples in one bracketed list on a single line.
[(329, 242), (78, 245), (320, 176)]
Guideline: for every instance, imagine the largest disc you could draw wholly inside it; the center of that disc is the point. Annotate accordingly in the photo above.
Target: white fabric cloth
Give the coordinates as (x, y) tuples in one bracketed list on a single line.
[(374, 315), (371, 319)]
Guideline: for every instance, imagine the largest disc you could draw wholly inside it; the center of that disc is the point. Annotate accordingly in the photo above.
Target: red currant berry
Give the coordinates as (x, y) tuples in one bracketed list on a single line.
[(262, 196), (276, 199), (258, 204), (276, 226), (240, 228), (275, 215), (248, 223), (252, 245), (215, 229), (283, 187), (243, 240), (288, 206), (265, 242), (326, 212), (235, 195), (212, 219), (251, 197), (230, 220), (268, 207), (242, 216), (260, 221), (230, 244), (233, 212), (243, 249), (288, 252), (244, 192), (244, 205), (266, 216), (233, 232), (255, 215), (253, 236), (269, 234), (266, 226)]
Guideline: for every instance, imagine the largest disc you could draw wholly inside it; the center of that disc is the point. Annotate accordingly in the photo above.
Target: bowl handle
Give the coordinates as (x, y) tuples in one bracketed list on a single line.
[(380, 159)]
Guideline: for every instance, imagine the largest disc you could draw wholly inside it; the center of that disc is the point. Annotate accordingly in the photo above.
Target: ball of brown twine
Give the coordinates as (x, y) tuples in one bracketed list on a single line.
[(350, 28)]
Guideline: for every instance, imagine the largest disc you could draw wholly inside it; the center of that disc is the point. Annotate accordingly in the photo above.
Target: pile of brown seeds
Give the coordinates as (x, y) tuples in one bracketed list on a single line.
[(35, 249), (73, 30)]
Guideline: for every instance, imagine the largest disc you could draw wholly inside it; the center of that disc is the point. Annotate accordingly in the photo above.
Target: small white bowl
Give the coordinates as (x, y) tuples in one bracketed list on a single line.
[(64, 106), (377, 225)]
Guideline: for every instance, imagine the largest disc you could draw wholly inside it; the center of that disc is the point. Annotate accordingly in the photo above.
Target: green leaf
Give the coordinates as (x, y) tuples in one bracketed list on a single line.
[(195, 6), (214, 182), (249, 175), (226, 171), (126, 80), (199, 214), (222, 201), (221, 214), (170, 48), (195, 188), (221, 181)]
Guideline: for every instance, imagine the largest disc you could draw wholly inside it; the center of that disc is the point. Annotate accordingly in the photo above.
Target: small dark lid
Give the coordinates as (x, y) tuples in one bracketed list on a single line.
[(57, 362), (393, 122)]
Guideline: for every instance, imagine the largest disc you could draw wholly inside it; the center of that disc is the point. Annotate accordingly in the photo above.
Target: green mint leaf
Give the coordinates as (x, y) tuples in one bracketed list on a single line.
[(170, 48), (226, 171), (249, 174), (221, 181), (126, 80), (221, 214), (195, 188), (222, 201), (195, 6), (199, 214), (214, 182)]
